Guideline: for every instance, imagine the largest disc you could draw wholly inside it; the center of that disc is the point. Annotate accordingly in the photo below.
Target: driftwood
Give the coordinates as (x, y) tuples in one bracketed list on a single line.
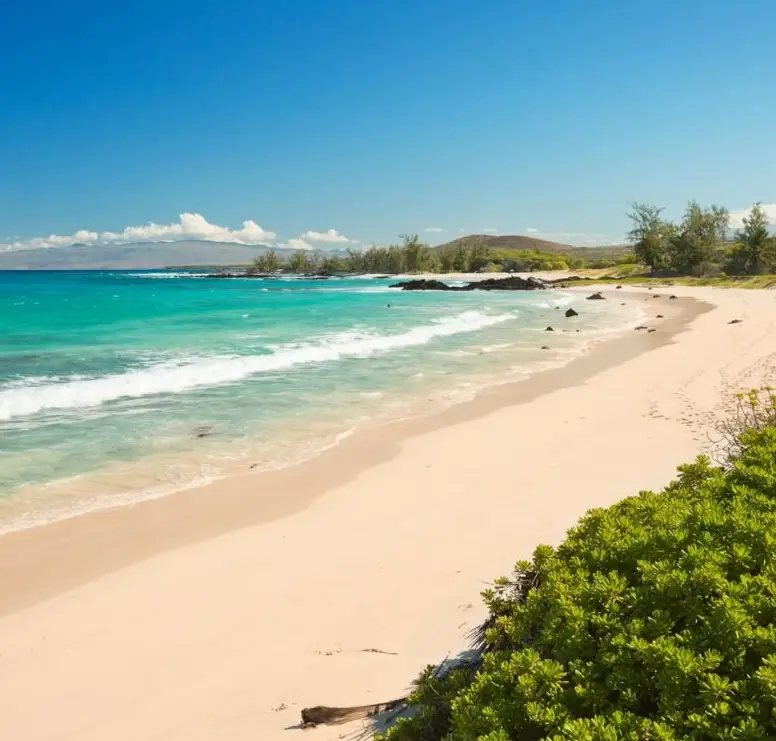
[(323, 715), (517, 590)]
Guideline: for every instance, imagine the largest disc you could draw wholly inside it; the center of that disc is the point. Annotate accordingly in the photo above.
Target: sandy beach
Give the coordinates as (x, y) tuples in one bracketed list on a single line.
[(220, 612)]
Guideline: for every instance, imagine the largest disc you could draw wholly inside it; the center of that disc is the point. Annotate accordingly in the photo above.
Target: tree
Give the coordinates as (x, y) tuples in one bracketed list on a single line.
[(268, 262), (479, 257), (461, 259), (650, 235), (693, 245), (299, 262), (755, 252), (446, 261), (416, 254), (394, 260), (355, 261)]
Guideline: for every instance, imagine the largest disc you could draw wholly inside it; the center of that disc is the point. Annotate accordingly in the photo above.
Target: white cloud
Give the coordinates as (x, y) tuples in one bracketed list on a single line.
[(737, 216), (298, 244), (330, 235), (532, 230), (435, 229), (189, 227), (490, 230)]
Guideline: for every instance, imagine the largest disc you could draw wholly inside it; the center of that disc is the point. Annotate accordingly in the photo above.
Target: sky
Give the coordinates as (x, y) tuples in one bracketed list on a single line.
[(315, 123)]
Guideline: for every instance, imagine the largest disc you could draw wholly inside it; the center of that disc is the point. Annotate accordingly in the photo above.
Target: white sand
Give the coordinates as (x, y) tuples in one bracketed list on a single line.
[(207, 641)]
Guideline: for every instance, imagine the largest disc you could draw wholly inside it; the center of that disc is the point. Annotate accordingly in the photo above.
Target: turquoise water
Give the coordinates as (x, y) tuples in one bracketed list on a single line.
[(115, 385)]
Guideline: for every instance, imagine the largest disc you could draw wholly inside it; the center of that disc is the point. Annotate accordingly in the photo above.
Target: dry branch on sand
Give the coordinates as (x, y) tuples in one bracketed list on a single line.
[(481, 640)]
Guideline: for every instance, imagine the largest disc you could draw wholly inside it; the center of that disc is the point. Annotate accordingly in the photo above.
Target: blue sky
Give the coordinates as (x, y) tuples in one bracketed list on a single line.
[(373, 118)]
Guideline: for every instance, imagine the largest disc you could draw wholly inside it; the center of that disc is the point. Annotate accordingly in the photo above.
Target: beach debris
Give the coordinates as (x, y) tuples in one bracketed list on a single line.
[(545, 347), (203, 431), (735, 321), (378, 651), (649, 288), (329, 652), (571, 312), (659, 316), (517, 589), (642, 326), (549, 329), (618, 287), (672, 296), (657, 295), (622, 304), (652, 330), (597, 296), (323, 715), (280, 707)]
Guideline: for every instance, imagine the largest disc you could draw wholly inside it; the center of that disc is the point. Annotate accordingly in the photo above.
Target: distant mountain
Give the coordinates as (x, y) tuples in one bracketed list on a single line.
[(504, 242), (521, 242), (137, 256)]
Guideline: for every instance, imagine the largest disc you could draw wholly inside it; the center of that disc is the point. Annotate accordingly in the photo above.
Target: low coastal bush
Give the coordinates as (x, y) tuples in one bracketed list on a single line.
[(654, 620)]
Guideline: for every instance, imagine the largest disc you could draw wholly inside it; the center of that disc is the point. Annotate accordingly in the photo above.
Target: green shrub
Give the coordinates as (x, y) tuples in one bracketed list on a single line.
[(654, 620)]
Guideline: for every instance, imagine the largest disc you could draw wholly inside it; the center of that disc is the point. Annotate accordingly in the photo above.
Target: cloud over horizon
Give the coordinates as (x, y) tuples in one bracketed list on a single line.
[(190, 226), (331, 236), (737, 215), (435, 229)]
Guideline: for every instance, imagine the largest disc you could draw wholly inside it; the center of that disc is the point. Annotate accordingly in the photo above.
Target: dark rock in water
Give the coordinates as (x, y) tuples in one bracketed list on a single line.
[(422, 285), (512, 283), (597, 296), (735, 321), (672, 296), (571, 312), (203, 431), (549, 329)]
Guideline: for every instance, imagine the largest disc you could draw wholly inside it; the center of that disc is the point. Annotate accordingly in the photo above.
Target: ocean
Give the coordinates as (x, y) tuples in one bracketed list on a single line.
[(123, 385)]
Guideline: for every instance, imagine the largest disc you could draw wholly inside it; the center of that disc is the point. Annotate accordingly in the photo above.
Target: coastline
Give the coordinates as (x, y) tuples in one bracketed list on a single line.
[(110, 538), (107, 451), (225, 610)]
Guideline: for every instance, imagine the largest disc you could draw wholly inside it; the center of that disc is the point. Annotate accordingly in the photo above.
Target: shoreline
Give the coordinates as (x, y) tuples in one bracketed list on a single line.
[(148, 478), (107, 539), (463, 355), (185, 634)]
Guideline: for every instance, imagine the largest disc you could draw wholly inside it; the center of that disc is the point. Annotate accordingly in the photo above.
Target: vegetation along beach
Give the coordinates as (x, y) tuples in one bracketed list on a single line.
[(387, 370)]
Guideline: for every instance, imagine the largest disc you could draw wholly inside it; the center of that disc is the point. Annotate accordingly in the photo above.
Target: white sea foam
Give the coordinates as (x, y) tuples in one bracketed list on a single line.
[(167, 275), (173, 377)]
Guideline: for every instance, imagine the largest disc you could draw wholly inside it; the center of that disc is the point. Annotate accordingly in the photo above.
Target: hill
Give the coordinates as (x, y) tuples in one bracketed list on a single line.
[(520, 243), (138, 255)]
